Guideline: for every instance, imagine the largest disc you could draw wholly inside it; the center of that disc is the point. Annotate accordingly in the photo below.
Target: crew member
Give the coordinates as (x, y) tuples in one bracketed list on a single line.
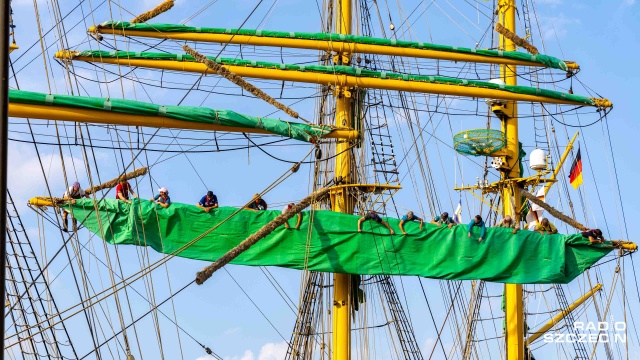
[(477, 221), (509, 223), (372, 215), (257, 204), (546, 226), (123, 189), (72, 193), (163, 198), (288, 208), (409, 217), (208, 202), (444, 219)]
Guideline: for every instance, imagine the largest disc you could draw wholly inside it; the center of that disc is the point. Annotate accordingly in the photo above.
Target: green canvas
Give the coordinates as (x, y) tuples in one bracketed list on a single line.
[(336, 246)]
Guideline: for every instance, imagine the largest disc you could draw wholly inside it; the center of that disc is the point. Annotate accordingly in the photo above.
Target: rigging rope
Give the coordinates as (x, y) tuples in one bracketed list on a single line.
[(553, 211), (208, 271), (224, 72)]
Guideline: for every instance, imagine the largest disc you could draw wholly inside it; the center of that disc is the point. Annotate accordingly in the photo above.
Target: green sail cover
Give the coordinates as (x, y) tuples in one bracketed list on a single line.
[(543, 60), (298, 131), (336, 246), (342, 70)]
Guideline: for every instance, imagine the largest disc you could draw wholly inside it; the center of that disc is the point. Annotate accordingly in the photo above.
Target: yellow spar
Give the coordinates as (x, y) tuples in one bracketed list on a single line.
[(537, 334), (47, 112), (323, 45), (338, 80)]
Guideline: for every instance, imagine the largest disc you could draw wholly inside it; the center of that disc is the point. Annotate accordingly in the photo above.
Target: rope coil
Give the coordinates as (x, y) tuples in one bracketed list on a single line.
[(516, 39), (146, 16)]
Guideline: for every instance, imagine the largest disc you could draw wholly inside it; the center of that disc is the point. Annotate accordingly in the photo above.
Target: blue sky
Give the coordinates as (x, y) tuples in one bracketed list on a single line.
[(600, 36)]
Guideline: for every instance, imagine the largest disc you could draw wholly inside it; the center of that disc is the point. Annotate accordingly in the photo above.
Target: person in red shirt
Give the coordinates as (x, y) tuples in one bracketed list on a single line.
[(123, 190)]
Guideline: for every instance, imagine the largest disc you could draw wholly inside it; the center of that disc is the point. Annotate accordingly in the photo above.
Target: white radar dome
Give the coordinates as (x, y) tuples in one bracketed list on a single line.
[(538, 160), (498, 82)]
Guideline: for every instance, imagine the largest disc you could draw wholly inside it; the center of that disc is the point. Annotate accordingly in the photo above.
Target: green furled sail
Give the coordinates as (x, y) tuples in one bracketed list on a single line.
[(543, 60), (297, 131), (341, 70), (336, 246)]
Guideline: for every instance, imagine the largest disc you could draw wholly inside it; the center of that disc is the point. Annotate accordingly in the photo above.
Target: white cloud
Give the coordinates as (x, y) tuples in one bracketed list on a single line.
[(273, 351), (233, 331), (269, 351), (557, 26), (248, 355), (26, 180)]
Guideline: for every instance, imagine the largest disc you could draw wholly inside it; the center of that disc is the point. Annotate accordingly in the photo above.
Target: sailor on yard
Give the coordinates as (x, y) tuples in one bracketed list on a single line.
[(286, 209), (594, 236), (409, 217), (208, 202), (444, 219), (72, 193), (372, 215), (477, 221), (123, 189), (508, 222), (257, 204), (546, 226), (163, 198)]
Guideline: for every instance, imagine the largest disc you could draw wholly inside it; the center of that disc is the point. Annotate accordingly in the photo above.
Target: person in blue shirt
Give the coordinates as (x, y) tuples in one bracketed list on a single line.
[(163, 198), (409, 217), (477, 221), (444, 219), (208, 202)]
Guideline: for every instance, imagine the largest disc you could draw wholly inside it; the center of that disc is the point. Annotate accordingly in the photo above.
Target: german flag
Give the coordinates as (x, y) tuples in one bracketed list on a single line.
[(575, 174)]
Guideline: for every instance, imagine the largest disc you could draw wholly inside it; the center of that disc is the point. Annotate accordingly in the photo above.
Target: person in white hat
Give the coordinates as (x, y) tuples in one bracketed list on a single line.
[(163, 198)]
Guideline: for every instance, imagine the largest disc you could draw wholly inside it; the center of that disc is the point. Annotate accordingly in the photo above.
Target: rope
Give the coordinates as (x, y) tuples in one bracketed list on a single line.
[(105, 185), (146, 16), (112, 183), (553, 211), (516, 39), (224, 72), (208, 271)]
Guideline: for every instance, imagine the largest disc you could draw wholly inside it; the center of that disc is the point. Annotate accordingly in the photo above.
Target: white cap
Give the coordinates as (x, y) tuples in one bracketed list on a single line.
[(164, 190)]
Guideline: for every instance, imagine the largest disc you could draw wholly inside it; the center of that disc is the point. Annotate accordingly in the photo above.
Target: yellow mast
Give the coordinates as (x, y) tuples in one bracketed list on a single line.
[(513, 292), (342, 201)]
